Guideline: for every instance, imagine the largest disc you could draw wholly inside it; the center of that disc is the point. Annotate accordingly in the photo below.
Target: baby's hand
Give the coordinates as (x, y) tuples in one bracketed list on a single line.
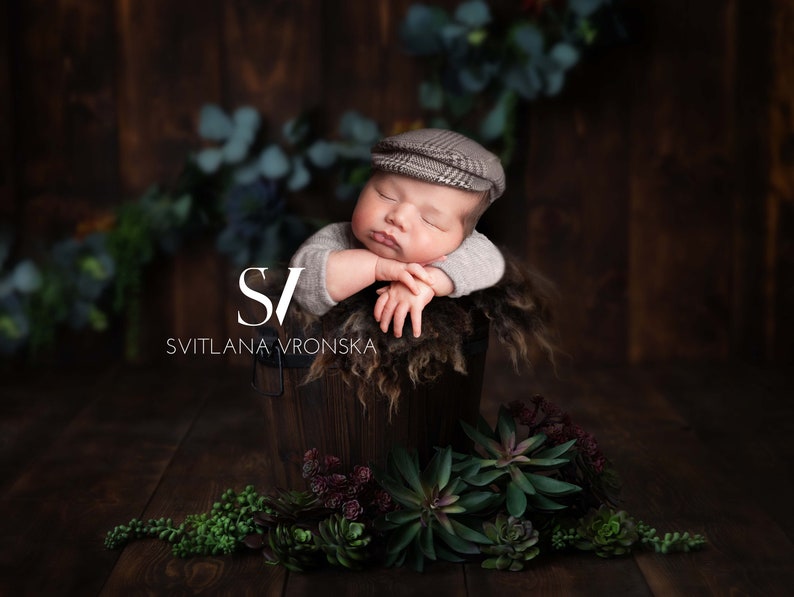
[(392, 270), (396, 301)]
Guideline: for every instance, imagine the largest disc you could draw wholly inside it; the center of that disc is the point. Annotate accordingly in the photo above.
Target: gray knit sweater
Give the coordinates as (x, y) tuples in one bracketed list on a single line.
[(475, 265)]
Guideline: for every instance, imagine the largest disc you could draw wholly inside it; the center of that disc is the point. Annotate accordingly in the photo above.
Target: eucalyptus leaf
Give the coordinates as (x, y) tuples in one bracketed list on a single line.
[(454, 35), (473, 81), (419, 30), (365, 131), (26, 277), (473, 14), (529, 38), (554, 82), (295, 130), (209, 160), (431, 95), (584, 8), (524, 80), (247, 173), (321, 153), (564, 54), (273, 162), (248, 119), (299, 177), (234, 150), (214, 123)]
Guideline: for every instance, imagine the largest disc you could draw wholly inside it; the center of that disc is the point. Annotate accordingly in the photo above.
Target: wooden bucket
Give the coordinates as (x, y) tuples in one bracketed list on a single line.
[(326, 414)]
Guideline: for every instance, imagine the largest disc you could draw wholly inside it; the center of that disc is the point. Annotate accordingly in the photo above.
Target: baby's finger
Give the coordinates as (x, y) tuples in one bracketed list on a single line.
[(416, 321), (380, 304), (386, 316), (407, 279), (420, 273), (398, 321)]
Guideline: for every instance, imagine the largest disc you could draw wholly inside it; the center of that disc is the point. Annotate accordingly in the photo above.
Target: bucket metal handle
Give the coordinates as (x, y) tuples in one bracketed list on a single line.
[(265, 355)]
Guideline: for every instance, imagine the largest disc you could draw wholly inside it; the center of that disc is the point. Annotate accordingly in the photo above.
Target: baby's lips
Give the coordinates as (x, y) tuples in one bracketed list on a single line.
[(384, 239)]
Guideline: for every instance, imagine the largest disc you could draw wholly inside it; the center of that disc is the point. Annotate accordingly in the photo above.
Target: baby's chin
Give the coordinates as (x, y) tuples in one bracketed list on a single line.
[(382, 250)]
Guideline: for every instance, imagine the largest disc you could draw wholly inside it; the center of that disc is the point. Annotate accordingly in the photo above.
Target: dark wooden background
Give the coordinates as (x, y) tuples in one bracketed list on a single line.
[(657, 191)]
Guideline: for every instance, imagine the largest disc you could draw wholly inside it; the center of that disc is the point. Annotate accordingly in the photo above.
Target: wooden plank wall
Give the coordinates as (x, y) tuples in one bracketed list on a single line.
[(656, 191)]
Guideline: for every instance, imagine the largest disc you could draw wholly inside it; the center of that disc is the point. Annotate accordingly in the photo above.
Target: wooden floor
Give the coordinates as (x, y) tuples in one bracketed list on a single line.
[(703, 448)]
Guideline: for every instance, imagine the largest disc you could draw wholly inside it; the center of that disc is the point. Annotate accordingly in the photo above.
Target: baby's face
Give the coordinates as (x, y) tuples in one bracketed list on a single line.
[(409, 220)]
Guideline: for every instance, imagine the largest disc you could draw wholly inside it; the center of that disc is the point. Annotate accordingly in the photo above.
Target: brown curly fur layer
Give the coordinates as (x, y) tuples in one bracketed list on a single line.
[(518, 310)]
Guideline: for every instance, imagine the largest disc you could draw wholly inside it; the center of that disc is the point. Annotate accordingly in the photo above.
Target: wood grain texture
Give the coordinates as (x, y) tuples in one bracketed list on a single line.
[(577, 224), (166, 442), (780, 202), (223, 449), (753, 73), (9, 207), (655, 190), (680, 206), (99, 469), (64, 133)]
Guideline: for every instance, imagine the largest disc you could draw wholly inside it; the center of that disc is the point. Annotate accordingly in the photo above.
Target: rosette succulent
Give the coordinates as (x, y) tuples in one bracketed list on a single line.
[(514, 543), (509, 463), (432, 520), (344, 542), (293, 546), (607, 532)]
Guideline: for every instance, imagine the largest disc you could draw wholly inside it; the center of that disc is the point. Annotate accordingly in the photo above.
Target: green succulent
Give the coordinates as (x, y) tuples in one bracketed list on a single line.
[(289, 505), (432, 522), (669, 542), (607, 532), (293, 546), (344, 542), (514, 543), (509, 464)]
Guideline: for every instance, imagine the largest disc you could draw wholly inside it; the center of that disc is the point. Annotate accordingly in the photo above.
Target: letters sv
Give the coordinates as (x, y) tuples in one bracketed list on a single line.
[(283, 302)]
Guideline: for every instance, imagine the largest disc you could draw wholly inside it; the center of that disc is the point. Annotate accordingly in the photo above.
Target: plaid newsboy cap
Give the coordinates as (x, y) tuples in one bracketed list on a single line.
[(441, 157)]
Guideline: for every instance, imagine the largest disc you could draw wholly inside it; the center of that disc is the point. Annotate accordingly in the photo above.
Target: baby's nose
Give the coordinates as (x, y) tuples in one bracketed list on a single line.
[(399, 216)]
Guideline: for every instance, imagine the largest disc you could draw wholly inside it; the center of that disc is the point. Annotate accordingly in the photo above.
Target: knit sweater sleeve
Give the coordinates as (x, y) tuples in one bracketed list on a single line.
[(311, 291), (476, 264)]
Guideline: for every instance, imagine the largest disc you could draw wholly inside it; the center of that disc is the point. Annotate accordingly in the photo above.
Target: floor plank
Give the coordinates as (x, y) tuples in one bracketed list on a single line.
[(223, 449), (100, 471), (699, 448)]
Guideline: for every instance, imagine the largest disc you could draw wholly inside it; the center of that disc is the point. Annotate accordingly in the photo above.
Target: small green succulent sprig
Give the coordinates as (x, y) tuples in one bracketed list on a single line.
[(608, 533), (515, 466), (435, 520), (220, 531), (669, 542)]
